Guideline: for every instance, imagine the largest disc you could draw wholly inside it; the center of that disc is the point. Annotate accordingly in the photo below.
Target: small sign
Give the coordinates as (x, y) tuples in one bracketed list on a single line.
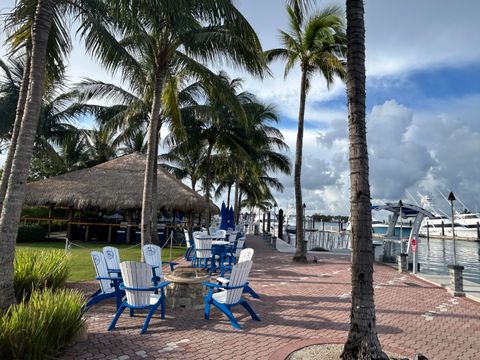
[(414, 245)]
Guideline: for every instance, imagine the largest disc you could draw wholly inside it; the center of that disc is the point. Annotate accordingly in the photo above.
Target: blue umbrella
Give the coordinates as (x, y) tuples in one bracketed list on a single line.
[(224, 215), (231, 218)]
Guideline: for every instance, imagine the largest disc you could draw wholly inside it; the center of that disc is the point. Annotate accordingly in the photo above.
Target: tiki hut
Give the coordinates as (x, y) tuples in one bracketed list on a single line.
[(114, 185)]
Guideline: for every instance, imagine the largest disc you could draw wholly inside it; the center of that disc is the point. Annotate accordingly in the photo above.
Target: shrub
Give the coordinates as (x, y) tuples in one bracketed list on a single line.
[(31, 233), (40, 328), (39, 270), (319, 248)]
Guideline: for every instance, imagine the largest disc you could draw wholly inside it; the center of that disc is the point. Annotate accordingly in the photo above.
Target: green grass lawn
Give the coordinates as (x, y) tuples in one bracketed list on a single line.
[(82, 267)]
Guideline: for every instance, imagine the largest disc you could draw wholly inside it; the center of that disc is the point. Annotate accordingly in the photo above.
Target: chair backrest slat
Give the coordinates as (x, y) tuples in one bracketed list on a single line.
[(101, 270), (221, 234), (203, 248), (187, 238), (245, 255), (137, 275), (239, 277), (112, 257), (239, 247), (153, 256)]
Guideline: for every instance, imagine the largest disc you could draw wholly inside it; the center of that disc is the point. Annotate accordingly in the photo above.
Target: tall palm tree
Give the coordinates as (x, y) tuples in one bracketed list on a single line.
[(19, 23), (317, 44), (362, 342), (177, 31), (15, 195)]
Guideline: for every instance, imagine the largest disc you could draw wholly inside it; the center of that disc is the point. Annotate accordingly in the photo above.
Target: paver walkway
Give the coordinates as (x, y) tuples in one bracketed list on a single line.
[(298, 303)]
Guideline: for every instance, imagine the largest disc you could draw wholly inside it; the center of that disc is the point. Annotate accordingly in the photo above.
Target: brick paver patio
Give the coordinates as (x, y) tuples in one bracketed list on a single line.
[(300, 304)]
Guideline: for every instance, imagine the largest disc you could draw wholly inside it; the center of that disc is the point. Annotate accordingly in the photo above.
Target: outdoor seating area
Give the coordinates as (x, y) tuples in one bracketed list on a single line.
[(143, 285), (299, 304)]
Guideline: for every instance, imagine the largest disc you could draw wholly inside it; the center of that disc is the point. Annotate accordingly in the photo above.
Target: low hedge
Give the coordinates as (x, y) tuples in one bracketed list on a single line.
[(39, 270), (41, 327), (31, 233)]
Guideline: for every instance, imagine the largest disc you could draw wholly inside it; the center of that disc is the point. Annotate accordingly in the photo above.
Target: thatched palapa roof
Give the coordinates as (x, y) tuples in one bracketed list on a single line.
[(115, 184)]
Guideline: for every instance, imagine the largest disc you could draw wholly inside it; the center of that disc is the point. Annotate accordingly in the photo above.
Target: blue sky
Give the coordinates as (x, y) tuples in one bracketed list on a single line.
[(423, 101)]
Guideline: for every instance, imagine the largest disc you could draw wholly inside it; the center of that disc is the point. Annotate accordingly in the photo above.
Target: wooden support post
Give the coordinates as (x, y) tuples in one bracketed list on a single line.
[(128, 229), (87, 231), (443, 228), (269, 230), (263, 222), (109, 233), (190, 225), (49, 221), (280, 223), (69, 223)]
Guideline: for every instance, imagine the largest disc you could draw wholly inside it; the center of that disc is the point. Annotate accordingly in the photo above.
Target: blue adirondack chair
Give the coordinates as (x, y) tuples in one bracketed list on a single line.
[(244, 255), (112, 257), (153, 256), (141, 292), (109, 285), (203, 252), (231, 295)]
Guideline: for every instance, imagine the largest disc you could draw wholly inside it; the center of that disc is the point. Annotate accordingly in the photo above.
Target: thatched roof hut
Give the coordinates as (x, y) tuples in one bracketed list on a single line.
[(114, 185)]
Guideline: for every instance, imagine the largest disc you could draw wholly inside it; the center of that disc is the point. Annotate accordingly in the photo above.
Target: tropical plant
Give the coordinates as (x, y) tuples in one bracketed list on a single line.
[(41, 327), (317, 44), (175, 33), (362, 341), (39, 270), (12, 204)]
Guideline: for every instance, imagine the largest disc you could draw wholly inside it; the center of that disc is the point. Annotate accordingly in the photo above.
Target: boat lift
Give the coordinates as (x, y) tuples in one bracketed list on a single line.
[(408, 211)]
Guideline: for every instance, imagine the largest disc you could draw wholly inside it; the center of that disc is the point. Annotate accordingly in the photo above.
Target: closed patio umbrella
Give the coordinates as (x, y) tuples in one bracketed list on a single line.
[(224, 214)]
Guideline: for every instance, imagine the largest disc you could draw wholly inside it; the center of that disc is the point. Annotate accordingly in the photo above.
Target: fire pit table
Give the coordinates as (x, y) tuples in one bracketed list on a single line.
[(185, 289)]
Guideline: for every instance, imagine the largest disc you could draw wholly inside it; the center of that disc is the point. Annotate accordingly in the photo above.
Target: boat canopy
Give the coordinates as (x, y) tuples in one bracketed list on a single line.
[(408, 211)]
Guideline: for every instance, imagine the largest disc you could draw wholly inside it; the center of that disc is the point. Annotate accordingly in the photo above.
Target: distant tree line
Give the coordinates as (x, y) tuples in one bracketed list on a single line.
[(329, 218)]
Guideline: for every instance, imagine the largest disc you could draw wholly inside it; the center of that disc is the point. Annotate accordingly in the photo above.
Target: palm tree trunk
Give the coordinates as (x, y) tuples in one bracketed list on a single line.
[(237, 218), (207, 185), (15, 195), (146, 220), (237, 189), (229, 191), (362, 342), (22, 98), (300, 253), (154, 233)]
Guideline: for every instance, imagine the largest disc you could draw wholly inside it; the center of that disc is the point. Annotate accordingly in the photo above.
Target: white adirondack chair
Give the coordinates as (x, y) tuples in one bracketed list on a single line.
[(140, 292), (112, 257), (245, 255), (153, 256), (220, 234), (232, 237), (109, 285), (231, 294), (203, 251)]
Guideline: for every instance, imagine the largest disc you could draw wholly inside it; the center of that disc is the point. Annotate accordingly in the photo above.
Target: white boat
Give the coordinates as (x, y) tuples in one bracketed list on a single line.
[(441, 224)]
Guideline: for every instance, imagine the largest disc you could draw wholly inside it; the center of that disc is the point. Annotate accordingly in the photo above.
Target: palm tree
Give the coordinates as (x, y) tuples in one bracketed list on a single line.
[(317, 43), (12, 205), (362, 342), (178, 31), (20, 23)]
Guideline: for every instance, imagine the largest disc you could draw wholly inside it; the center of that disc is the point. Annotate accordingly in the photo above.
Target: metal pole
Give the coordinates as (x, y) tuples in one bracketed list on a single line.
[(401, 231), (453, 235)]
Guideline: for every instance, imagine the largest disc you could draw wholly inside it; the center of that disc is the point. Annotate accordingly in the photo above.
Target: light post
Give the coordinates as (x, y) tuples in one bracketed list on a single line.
[(403, 257), (451, 198), (455, 271), (275, 220)]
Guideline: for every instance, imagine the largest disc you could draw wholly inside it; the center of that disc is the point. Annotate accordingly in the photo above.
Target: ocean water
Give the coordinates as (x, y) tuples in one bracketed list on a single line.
[(434, 256)]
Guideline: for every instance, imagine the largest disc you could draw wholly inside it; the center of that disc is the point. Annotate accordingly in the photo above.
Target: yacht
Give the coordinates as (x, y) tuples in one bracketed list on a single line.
[(464, 224)]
